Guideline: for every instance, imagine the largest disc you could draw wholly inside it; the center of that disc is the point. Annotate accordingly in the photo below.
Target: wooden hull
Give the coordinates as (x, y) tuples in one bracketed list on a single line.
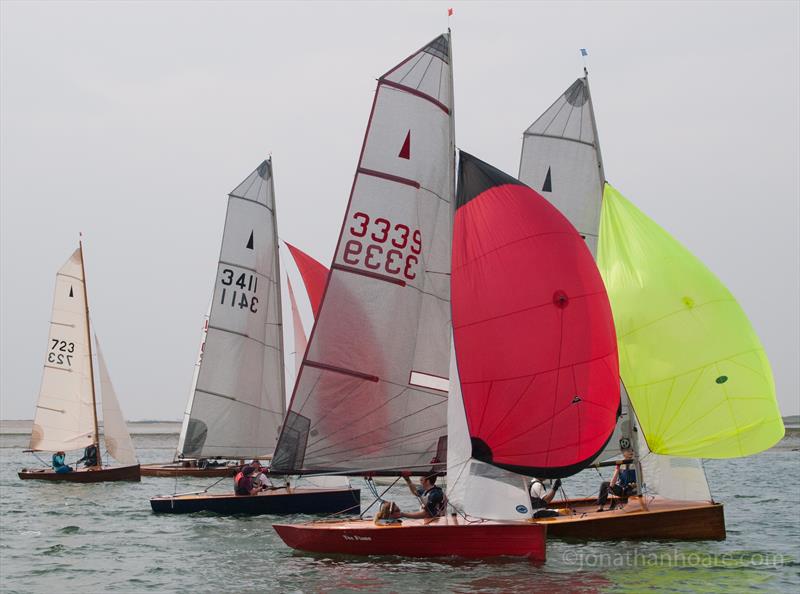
[(415, 538), (663, 519), (175, 470), (277, 501), (84, 475)]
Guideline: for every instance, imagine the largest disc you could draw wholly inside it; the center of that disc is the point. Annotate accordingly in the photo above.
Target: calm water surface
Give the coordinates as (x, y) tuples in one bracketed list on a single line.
[(104, 538)]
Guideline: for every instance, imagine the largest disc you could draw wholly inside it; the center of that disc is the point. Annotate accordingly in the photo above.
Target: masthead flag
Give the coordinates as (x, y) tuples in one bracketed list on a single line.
[(584, 52)]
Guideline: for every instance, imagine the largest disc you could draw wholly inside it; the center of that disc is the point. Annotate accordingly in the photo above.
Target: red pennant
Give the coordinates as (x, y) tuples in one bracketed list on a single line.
[(449, 12), (405, 152)]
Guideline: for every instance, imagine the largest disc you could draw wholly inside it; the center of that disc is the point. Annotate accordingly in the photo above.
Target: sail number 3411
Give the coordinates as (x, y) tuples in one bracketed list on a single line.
[(239, 290), (383, 246)]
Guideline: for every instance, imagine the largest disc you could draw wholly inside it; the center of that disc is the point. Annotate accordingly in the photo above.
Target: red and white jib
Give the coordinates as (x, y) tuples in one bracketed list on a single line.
[(383, 246), (238, 289)]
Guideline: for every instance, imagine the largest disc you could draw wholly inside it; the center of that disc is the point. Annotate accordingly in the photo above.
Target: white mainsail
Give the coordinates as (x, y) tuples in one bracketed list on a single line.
[(65, 416), (238, 402), (561, 159), (372, 388), (115, 431)]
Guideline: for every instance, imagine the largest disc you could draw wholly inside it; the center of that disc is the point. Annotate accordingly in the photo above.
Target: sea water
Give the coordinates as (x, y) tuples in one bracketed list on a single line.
[(104, 538)]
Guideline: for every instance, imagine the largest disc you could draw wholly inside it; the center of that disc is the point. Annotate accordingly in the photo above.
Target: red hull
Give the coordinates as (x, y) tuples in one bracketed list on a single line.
[(88, 475), (413, 538)]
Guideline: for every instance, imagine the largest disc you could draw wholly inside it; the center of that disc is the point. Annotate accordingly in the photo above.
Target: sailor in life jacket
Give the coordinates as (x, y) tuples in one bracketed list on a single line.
[(622, 483), (430, 496), (243, 482), (541, 497)]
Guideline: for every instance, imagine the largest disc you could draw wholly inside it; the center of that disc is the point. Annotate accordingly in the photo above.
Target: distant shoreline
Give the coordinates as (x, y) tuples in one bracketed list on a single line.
[(152, 427), (23, 427)]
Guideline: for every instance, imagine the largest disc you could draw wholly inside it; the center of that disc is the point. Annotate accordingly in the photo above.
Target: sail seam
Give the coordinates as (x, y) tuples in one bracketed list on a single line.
[(400, 438), (540, 372), (58, 410), (513, 313), (250, 200), (57, 368), (242, 334), (505, 245), (589, 144), (416, 93), (80, 280), (261, 274), (375, 275), (342, 370), (243, 402), (389, 176), (411, 68)]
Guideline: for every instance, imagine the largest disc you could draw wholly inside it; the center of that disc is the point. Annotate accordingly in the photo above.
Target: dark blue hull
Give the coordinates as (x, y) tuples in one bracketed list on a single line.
[(278, 501)]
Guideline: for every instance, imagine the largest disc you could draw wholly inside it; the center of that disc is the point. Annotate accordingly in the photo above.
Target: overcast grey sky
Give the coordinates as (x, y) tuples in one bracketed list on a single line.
[(131, 121)]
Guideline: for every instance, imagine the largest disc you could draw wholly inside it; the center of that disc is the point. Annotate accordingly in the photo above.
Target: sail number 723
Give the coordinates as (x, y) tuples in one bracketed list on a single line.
[(383, 246), (61, 352)]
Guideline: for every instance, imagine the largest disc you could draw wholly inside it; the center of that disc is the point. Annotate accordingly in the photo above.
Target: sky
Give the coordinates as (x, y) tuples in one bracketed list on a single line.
[(131, 122)]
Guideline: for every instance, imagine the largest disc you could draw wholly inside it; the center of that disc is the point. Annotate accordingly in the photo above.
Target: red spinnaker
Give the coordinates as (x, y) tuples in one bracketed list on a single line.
[(534, 335), (314, 275)]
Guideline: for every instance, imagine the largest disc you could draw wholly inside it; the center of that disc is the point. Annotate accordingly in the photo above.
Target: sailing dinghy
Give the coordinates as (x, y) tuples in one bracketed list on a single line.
[(66, 412), (372, 397), (238, 403), (696, 380)]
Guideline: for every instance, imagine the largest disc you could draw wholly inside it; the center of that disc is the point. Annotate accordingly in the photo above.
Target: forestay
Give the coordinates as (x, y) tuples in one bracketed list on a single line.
[(115, 431), (64, 417), (695, 370), (561, 160), (545, 403), (238, 403), (372, 390)]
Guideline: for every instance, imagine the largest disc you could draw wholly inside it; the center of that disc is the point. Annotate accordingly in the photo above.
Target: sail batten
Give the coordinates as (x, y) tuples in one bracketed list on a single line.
[(383, 315)]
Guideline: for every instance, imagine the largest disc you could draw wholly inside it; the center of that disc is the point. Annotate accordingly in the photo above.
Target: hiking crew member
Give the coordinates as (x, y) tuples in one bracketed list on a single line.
[(89, 456), (431, 497), (540, 497), (243, 482), (622, 483)]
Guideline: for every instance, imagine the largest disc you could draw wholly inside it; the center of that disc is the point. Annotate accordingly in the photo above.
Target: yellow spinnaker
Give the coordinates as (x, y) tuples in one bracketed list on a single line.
[(693, 366)]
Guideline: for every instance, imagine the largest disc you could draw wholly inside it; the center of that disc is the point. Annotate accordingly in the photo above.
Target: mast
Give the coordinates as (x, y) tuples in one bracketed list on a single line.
[(91, 365), (277, 275), (600, 167), (628, 428)]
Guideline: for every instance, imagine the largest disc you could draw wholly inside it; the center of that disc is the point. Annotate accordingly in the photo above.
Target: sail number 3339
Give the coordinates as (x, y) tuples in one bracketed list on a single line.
[(239, 290), (383, 246)]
